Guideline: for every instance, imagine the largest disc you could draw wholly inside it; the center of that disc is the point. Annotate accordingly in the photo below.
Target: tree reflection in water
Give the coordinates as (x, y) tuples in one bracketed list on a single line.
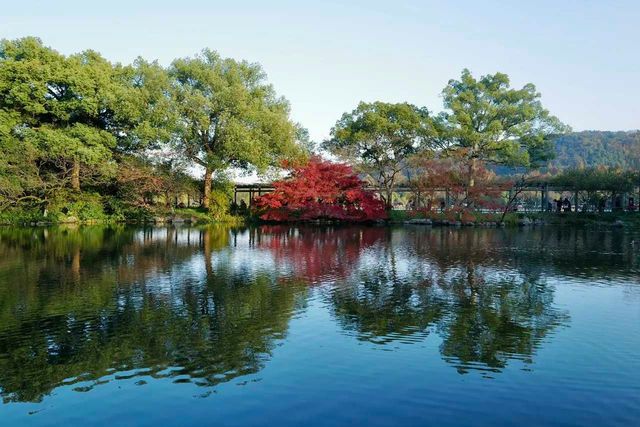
[(317, 254), (494, 310), (86, 305), (83, 306), (405, 284)]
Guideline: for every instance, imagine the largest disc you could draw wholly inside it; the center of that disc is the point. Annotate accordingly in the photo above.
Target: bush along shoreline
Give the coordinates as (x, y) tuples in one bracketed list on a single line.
[(97, 213)]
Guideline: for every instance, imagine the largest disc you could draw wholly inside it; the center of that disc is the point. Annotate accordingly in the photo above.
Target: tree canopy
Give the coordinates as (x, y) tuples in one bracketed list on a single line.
[(320, 190), (64, 107), (78, 126), (486, 120), (379, 137), (228, 116)]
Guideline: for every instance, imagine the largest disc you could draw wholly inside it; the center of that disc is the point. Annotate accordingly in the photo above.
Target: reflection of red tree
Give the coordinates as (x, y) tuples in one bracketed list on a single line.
[(320, 190), (317, 254)]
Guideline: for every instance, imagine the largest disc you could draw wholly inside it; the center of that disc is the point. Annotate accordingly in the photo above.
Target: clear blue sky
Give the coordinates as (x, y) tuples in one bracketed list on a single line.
[(326, 56)]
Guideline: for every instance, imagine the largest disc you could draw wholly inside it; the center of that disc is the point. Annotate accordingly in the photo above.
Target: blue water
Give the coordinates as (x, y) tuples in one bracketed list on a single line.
[(319, 326)]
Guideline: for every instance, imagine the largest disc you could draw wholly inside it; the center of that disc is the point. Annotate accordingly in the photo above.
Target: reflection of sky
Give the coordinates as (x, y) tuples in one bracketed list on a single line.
[(241, 253), (249, 261)]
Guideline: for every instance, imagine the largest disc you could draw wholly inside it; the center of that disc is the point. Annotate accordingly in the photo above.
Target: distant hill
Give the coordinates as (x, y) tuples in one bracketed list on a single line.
[(594, 148)]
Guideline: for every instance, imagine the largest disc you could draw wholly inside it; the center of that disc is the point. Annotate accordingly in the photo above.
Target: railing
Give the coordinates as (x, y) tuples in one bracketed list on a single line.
[(540, 201)]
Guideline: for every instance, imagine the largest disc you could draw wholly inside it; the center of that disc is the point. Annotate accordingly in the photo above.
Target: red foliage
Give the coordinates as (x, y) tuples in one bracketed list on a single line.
[(435, 175), (318, 254), (320, 190)]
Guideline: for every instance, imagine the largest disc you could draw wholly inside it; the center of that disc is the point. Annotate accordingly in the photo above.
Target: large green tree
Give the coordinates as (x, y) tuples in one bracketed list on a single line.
[(67, 119), (63, 106), (145, 114), (379, 137), (485, 120), (229, 116), (18, 170)]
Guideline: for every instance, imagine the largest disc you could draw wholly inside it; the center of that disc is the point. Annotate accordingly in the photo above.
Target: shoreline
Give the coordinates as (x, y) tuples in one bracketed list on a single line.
[(514, 220)]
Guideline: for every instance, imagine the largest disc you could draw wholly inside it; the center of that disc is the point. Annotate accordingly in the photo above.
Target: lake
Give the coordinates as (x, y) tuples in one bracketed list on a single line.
[(321, 326)]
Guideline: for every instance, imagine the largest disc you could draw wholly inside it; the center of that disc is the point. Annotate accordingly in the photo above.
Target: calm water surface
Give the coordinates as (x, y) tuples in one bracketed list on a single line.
[(319, 326)]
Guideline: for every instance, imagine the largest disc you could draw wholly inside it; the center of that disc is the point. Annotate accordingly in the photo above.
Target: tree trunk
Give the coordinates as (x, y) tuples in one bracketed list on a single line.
[(473, 168), (389, 201), (206, 199), (75, 175)]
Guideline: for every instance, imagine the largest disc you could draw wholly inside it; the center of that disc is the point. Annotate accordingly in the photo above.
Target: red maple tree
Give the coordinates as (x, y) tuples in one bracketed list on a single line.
[(433, 176), (320, 190)]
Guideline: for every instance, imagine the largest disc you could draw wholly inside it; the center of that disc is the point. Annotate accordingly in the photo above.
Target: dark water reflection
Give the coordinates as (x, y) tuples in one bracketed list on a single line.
[(79, 304), (90, 307)]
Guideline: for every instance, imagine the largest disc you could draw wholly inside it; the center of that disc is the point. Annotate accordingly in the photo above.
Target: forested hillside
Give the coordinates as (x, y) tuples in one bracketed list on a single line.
[(598, 148)]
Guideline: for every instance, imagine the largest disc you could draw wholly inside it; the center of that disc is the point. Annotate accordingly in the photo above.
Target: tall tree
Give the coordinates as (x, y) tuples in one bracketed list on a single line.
[(18, 169), (145, 117), (380, 137), (485, 120), (228, 116), (66, 107)]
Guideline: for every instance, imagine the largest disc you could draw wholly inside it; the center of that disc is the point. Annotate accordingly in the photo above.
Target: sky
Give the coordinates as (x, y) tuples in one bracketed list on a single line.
[(327, 56)]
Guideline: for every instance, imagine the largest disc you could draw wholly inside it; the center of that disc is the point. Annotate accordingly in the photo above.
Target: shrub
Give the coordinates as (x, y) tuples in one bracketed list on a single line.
[(320, 190), (21, 215), (68, 206)]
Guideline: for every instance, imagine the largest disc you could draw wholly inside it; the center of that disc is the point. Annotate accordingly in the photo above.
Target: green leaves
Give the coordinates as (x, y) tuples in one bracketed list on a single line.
[(493, 122), (484, 121), (380, 137), (394, 128), (228, 116), (67, 108), (76, 111), (595, 179)]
